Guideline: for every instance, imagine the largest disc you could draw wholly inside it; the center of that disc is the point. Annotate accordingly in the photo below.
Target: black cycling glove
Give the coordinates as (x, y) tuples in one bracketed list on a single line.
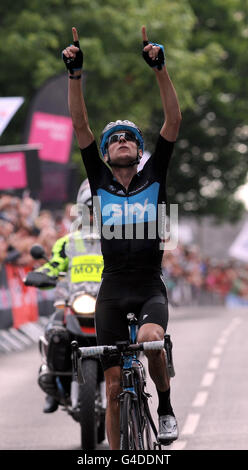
[(74, 64), (159, 61)]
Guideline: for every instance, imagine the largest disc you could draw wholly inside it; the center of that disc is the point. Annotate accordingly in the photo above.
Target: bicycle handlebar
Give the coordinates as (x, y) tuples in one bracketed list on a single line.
[(153, 345), (102, 350)]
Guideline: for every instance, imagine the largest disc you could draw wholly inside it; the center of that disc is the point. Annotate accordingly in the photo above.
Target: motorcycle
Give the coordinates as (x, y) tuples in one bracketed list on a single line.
[(83, 397)]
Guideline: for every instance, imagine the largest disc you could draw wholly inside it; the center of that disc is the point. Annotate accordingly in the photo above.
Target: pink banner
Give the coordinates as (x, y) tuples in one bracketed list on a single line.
[(23, 298), (13, 171), (54, 133)]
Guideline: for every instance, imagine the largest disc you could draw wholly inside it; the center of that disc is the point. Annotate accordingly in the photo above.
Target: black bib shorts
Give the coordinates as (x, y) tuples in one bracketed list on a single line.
[(147, 299)]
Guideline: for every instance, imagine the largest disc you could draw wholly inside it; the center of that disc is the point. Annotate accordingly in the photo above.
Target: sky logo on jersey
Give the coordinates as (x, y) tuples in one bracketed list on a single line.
[(121, 210)]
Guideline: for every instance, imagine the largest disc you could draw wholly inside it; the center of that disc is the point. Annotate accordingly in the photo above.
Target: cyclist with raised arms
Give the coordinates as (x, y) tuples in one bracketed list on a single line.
[(128, 204)]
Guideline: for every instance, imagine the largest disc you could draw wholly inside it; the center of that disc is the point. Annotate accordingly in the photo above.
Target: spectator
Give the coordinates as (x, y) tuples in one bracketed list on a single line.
[(47, 238), (44, 220), (3, 249), (67, 218), (238, 293)]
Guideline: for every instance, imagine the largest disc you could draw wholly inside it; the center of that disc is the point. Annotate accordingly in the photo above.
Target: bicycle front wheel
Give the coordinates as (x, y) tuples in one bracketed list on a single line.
[(129, 425), (149, 430), (146, 432)]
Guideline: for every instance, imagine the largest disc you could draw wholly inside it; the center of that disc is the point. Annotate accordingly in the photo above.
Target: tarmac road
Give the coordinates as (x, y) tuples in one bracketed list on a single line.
[(209, 393)]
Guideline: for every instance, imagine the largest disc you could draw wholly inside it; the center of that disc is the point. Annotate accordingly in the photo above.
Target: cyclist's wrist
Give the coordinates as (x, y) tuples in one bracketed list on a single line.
[(76, 75), (160, 71), (75, 72)]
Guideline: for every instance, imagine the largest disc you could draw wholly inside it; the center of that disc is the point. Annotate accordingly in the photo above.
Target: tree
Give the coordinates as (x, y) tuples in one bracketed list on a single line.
[(206, 64), (119, 84), (211, 155)]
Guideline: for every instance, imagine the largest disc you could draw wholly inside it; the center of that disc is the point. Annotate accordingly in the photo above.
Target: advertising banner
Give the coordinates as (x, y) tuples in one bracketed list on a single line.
[(13, 171), (20, 169), (8, 107), (6, 319), (54, 134), (49, 125), (239, 248), (20, 304), (54, 183), (23, 298)]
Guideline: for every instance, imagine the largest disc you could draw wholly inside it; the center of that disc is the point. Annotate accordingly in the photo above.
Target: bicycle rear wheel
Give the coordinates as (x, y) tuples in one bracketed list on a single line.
[(129, 426)]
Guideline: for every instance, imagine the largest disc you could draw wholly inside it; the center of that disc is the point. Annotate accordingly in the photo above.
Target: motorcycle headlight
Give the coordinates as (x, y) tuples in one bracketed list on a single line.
[(84, 304)]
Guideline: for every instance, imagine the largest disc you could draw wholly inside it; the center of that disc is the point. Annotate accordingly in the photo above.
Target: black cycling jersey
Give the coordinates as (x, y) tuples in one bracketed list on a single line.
[(131, 221)]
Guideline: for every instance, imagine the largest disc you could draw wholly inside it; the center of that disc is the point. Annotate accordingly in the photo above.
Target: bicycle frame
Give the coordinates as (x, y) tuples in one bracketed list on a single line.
[(133, 383), (136, 419)]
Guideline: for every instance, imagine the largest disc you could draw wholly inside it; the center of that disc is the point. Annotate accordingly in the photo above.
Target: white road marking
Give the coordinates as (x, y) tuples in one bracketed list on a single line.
[(213, 363), (190, 424), (193, 419), (234, 323), (200, 398), (217, 351), (207, 379), (222, 341)]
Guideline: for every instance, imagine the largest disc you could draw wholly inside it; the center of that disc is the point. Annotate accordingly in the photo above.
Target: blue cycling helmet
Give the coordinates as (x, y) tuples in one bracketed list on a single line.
[(119, 125)]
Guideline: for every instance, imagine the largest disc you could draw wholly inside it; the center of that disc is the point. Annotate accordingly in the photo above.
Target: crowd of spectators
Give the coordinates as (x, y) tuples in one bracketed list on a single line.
[(23, 223), (190, 277)]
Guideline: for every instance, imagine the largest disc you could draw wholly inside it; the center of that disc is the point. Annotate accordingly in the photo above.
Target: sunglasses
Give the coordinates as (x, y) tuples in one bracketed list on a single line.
[(125, 135)]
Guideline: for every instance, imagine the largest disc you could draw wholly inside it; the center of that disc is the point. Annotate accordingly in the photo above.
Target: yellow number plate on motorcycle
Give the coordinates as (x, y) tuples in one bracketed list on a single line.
[(87, 268)]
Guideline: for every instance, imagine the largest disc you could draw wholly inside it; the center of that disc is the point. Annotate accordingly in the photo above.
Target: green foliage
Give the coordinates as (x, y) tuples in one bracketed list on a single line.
[(33, 35), (211, 156)]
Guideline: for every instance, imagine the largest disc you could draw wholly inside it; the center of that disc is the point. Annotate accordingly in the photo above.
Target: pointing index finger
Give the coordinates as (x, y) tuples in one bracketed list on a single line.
[(144, 36), (75, 37)]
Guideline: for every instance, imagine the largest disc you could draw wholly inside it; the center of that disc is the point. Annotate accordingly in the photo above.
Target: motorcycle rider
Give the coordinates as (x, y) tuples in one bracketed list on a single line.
[(65, 251), (132, 263)]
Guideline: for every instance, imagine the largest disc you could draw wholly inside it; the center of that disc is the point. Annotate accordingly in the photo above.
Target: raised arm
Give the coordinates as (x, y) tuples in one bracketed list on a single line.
[(153, 55), (73, 58)]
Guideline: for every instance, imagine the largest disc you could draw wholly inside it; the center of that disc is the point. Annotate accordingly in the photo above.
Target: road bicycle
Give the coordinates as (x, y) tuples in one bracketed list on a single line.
[(137, 427)]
